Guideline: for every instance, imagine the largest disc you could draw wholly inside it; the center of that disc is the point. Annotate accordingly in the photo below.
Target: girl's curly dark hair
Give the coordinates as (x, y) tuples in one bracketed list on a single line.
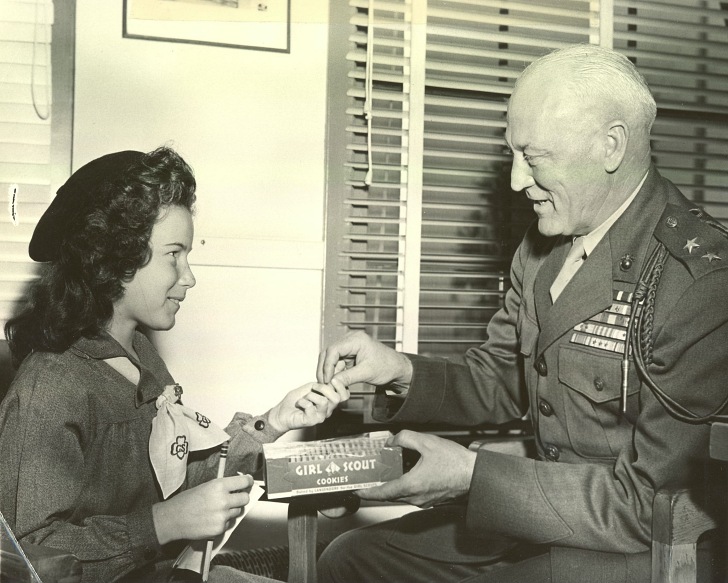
[(103, 250)]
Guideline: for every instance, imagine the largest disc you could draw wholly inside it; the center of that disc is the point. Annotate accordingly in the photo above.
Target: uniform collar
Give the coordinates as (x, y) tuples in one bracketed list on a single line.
[(104, 346), (591, 240), (626, 239)]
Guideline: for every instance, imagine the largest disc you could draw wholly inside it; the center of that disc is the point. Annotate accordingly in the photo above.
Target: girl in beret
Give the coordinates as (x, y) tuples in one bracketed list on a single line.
[(76, 427)]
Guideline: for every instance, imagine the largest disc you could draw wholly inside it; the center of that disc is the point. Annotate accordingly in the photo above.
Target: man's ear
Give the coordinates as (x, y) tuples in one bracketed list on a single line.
[(616, 144)]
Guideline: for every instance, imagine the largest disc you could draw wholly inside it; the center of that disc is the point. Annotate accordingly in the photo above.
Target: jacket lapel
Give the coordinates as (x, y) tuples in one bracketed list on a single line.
[(547, 274), (588, 293)]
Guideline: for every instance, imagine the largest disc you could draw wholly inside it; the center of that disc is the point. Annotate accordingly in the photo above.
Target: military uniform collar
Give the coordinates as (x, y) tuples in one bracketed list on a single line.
[(629, 246)]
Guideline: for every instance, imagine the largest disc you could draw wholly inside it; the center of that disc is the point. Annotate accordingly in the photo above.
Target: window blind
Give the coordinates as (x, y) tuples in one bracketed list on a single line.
[(25, 138), (417, 167), (423, 224), (681, 46)]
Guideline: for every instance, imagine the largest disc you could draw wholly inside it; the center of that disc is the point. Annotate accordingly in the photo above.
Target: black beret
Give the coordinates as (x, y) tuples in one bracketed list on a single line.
[(74, 198)]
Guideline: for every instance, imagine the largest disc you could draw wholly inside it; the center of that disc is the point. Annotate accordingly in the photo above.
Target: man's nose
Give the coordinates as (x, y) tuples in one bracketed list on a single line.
[(521, 174)]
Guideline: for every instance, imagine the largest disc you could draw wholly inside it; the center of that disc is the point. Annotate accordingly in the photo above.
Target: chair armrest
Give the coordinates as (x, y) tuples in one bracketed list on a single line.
[(719, 441), (679, 517), (303, 528)]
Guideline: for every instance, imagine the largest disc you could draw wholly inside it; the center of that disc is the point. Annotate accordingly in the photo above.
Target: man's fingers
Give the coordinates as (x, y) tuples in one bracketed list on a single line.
[(329, 360), (341, 389), (346, 348), (320, 373), (409, 439), (389, 491)]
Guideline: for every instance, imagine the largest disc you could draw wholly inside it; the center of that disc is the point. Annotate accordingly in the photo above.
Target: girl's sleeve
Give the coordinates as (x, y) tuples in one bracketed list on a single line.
[(247, 433)]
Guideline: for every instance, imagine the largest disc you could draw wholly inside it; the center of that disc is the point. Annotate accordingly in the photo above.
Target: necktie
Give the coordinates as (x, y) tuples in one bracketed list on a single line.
[(572, 264)]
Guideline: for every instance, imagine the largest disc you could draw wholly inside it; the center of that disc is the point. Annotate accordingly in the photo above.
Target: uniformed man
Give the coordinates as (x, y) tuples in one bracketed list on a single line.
[(615, 244)]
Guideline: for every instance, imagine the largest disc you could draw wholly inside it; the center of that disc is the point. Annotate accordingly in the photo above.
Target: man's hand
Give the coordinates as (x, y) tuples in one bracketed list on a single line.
[(358, 358), (443, 472)]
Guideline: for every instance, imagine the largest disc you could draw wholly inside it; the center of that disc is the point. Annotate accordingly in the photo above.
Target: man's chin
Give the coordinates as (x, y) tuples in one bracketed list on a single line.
[(548, 228)]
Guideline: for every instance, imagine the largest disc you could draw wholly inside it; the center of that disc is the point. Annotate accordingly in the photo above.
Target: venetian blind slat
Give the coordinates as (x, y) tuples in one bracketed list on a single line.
[(25, 138)]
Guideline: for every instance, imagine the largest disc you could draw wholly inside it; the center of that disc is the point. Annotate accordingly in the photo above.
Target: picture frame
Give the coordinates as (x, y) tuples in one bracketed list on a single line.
[(263, 25)]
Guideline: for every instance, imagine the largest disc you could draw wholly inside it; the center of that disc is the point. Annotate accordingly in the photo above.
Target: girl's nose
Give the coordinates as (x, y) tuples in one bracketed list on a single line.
[(187, 278)]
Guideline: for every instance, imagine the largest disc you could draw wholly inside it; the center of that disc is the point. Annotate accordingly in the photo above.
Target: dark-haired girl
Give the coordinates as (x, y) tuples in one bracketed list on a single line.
[(76, 423)]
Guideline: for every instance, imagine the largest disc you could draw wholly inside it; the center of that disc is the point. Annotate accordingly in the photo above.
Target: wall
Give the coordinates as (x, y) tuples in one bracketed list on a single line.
[(252, 125)]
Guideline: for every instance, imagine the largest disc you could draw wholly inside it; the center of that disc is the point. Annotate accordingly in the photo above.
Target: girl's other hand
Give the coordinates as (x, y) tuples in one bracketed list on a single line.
[(202, 512), (307, 406)]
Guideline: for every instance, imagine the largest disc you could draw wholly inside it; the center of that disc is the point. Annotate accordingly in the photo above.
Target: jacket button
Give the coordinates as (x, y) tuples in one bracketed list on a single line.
[(541, 367), (545, 408), (598, 384), (551, 452)]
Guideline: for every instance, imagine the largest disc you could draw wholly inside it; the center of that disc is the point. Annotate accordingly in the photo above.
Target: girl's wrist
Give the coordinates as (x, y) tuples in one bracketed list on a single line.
[(271, 418)]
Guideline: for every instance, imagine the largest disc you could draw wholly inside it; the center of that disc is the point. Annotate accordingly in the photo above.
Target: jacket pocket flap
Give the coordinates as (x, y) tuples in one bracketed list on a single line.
[(597, 377)]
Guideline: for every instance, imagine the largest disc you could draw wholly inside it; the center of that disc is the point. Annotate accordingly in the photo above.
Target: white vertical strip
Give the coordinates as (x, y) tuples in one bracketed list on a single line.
[(411, 253), (42, 41), (368, 80), (606, 23)]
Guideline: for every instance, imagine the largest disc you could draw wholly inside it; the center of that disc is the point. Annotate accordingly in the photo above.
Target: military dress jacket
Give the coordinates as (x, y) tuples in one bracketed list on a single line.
[(597, 471)]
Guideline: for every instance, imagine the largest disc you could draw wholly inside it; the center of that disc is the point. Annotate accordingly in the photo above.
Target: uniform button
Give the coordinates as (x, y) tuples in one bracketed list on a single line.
[(671, 222), (598, 384), (259, 425), (545, 408), (625, 264), (551, 452), (541, 367)]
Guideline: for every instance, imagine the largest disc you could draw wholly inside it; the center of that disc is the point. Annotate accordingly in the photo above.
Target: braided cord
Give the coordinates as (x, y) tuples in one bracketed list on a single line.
[(640, 336)]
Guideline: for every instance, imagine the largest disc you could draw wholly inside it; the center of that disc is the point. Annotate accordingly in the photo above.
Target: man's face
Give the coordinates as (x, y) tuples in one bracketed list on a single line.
[(558, 158)]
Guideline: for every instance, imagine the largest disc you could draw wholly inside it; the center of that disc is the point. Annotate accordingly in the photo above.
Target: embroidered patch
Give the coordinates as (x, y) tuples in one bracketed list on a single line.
[(606, 330), (180, 446), (202, 421)]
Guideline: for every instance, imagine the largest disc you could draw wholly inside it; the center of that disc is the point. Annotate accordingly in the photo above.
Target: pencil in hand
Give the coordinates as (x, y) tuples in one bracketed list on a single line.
[(208, 549)]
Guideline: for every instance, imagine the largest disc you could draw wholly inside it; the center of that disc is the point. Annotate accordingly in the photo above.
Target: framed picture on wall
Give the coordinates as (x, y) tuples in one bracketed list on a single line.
[(262, 25)]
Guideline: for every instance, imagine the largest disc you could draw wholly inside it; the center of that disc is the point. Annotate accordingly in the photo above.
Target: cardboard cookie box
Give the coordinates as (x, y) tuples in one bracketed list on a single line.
[(296, 468)]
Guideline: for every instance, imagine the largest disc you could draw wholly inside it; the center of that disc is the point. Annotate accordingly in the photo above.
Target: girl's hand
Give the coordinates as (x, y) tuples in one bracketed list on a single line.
[(202, 512), (307, 406)]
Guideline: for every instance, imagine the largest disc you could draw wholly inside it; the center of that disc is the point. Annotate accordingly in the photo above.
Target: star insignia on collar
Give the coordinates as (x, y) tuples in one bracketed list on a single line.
[(711, 257), (691, 244)]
